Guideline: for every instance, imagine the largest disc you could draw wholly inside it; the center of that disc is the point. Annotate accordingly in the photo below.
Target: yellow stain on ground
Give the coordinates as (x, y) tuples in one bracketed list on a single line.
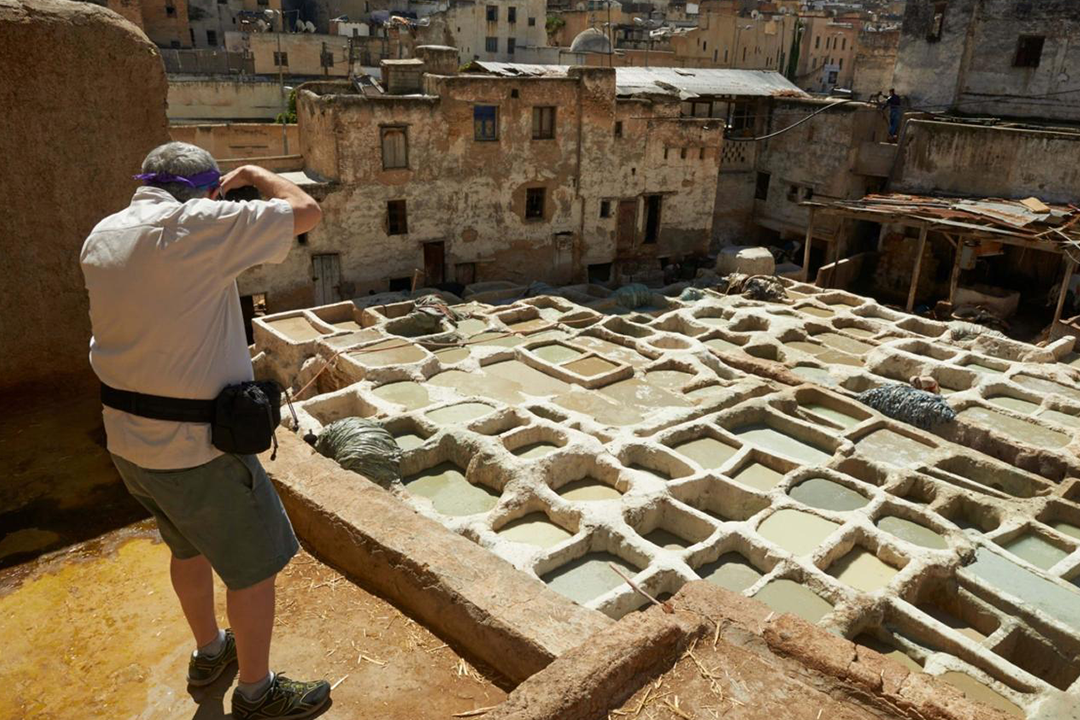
[(96, 638)]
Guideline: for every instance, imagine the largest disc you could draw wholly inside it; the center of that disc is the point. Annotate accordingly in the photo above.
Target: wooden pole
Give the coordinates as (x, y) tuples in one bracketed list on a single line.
[(1070, 267), (918, 267), (806, 250), (954, 282)]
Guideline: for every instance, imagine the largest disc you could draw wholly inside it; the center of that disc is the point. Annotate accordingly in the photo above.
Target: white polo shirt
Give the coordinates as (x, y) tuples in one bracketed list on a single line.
[(166, 312)]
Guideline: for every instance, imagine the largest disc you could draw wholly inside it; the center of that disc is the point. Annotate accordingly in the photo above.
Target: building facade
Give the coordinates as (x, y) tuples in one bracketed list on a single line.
[(991, 57), (499, 173), (827, 52)]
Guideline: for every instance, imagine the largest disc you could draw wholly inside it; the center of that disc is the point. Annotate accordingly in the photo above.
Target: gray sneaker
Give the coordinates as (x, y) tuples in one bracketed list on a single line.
[(284, 698), (205, 670)]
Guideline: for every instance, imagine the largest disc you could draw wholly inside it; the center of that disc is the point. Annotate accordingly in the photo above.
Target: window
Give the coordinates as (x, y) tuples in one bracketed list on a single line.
[(493, 13), (725, 57), (486, 123), (281, 59), (744, 54), (211, 38), (605, 208), (511, 15), (1029, 51), (175, 44), (817, 43), (401, 284), (701, 154), (511, 44), (793, 193), (701, 108), (937, 22), (397, 222), (832, 77), (514, 93), (841, 63), (761, 189), (682, 154), (534, 203), (491, 44), (302, 238), (843, 44), (714, 54), (395, 147), (618, 128), (652, 219), (543, 124), (532, 22), (705, 46), (263, 3), (170, 10)]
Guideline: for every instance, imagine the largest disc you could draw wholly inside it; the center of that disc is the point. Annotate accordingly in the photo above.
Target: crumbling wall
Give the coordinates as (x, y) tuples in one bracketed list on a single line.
[(975, 66), (814, 160), (79, 117), (875, 62), (985, 161)]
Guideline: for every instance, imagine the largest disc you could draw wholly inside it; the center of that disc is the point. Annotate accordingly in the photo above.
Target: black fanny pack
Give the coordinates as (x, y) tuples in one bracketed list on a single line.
[(242, 417)]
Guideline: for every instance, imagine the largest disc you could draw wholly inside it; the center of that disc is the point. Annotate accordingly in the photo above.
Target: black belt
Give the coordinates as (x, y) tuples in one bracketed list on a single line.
[(157, 407)]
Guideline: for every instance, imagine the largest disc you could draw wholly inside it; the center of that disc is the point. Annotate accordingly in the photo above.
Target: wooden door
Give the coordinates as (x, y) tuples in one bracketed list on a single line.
[(434, 262), (326, 272), (626, 226)]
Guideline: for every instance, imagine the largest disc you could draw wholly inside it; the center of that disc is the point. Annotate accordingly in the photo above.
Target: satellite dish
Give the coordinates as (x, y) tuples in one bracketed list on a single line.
[(755, 14), (309, 27)]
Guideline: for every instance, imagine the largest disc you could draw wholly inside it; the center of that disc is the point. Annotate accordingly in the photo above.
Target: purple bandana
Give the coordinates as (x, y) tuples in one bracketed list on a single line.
[(206, 178)]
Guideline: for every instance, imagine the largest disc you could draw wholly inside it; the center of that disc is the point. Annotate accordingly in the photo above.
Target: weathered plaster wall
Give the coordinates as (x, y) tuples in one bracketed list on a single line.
[(975, 160), (817, 156), (238, 140), (972, 67), (221, 98), (70, 143), (471, 195), (875, 62)]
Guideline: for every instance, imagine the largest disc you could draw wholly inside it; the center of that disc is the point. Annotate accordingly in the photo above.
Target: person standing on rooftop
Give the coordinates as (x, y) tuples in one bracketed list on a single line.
[(896, 111), (165, 311)]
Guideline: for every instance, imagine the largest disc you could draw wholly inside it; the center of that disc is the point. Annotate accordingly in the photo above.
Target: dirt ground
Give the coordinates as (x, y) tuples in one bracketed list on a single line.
[(95, 632), (732, 682)]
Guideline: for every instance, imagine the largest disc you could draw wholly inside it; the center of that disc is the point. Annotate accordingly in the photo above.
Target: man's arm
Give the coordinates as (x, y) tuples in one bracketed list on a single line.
[(306, 212)]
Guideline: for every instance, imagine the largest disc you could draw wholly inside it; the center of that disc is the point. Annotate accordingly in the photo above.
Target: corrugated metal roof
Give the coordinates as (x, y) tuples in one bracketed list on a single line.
[(994, 216), (682, 82)]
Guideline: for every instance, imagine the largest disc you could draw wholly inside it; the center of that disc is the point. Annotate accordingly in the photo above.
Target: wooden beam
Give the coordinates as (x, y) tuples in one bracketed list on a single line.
[(915, 272), (954, 282), (806, 249), (1070, 268)]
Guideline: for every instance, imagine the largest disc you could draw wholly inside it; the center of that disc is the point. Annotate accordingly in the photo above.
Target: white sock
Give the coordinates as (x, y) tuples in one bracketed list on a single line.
[(255, 690), (213, 647)]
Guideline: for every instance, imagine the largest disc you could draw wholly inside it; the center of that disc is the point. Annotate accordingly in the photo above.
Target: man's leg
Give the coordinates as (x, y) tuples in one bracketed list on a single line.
[(251, 614), (193, 581)]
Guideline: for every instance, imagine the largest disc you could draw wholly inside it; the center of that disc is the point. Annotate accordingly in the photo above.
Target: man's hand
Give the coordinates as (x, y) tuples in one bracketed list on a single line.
[(232, 180), (306, 212)]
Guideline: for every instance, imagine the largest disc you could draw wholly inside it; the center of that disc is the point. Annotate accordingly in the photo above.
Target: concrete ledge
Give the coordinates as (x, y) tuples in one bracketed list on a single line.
[(479, 603), (610, 668)]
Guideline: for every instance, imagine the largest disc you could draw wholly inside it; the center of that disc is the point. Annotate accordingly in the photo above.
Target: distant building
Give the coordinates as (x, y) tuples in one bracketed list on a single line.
[(513, 172), (875, 62), (991, 57), (827, 52)]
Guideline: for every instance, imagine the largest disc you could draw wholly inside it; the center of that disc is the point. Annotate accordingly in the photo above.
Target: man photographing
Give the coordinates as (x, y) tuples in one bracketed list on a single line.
[(168, 340)]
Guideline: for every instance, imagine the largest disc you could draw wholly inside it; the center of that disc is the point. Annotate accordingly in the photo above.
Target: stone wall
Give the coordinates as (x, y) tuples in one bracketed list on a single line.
[(239, 140), (984, 161), (71, 141), (220, 98), (875, 62), (973, 66)]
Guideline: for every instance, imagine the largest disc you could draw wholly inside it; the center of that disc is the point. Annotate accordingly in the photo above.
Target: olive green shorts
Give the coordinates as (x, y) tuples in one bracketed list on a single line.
[(226, 510)]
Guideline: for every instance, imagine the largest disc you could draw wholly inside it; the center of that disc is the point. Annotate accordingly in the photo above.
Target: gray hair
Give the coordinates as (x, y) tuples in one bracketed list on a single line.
[(178, 158)]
